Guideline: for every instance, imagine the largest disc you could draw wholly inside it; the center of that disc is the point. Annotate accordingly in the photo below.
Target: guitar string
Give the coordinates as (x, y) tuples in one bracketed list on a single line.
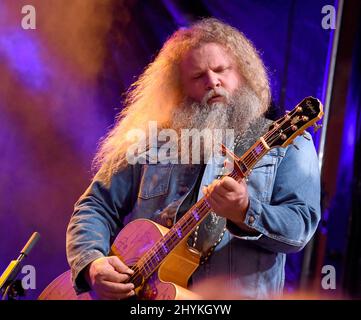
[(202, 210), (287, 117), (148, 258), (146, 263), (184, 224), (153, 251)]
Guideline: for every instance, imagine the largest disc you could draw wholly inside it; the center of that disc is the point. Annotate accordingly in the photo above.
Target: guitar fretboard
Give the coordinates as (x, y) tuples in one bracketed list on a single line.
[(194, 216)]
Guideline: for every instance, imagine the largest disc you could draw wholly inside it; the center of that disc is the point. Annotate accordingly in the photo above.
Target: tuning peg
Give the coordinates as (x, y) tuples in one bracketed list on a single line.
[(316, 127), (295, 145), (305, 136)]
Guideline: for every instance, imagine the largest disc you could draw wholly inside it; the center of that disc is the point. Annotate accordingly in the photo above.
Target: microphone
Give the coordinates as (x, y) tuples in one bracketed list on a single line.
[(30, 244), (11, 272)]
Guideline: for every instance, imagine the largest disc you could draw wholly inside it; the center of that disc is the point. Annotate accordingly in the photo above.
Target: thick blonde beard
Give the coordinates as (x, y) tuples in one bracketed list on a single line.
[(237, 113)]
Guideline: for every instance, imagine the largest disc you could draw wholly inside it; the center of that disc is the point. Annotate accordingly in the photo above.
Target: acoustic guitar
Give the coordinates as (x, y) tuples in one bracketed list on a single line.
[(160, 257)]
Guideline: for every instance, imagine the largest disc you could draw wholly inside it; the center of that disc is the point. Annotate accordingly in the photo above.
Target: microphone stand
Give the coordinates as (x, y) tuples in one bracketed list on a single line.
[(9, 285)]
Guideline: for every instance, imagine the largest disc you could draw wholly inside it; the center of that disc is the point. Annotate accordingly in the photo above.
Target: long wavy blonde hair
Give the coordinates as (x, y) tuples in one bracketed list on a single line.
[(158, 90)]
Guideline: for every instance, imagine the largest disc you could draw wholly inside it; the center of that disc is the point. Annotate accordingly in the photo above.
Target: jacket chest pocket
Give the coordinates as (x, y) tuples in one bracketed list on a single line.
[(261, 179), (155, 180)]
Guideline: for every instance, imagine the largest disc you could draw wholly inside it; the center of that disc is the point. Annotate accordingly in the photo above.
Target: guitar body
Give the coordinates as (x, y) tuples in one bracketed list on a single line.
[(168, 282)]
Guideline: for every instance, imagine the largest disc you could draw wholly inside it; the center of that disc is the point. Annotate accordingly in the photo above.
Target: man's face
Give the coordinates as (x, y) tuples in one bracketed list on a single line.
[(209, 67)]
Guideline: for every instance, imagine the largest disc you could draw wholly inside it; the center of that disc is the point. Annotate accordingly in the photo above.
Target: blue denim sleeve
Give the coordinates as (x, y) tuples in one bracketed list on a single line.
[(97, 219), (288, 222)]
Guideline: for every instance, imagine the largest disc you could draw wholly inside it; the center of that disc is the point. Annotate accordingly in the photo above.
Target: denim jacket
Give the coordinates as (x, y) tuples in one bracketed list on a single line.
[(284, 193)]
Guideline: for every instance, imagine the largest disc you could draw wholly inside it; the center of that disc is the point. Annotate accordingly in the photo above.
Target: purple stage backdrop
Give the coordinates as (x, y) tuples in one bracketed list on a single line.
[(61, 85)]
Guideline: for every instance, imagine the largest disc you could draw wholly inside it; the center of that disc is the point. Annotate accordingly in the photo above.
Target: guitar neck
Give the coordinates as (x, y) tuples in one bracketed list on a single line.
[(197, 213)]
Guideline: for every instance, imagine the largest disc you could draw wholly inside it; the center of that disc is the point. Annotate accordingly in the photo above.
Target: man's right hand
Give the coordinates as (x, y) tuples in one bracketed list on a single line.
[(106, 276)]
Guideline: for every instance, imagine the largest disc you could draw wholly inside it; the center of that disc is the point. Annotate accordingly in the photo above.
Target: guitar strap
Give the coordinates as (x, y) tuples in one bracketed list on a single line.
[(210, 232)]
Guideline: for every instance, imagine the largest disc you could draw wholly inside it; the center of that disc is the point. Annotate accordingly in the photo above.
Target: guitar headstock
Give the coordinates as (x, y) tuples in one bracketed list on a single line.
[(283, 131)]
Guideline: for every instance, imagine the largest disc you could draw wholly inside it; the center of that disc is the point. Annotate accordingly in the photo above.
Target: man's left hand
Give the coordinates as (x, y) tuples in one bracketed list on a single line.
[(228, 198)]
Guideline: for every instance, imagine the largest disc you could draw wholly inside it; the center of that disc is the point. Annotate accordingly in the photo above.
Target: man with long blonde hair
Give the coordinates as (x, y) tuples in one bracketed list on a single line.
[(206, 77)]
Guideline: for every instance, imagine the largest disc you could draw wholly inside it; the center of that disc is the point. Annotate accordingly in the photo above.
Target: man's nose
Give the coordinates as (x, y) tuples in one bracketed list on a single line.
[(212, 81)]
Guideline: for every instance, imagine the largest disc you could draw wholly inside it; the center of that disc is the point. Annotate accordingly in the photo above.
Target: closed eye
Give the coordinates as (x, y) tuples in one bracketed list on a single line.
[(221, 69), (197, 76)]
